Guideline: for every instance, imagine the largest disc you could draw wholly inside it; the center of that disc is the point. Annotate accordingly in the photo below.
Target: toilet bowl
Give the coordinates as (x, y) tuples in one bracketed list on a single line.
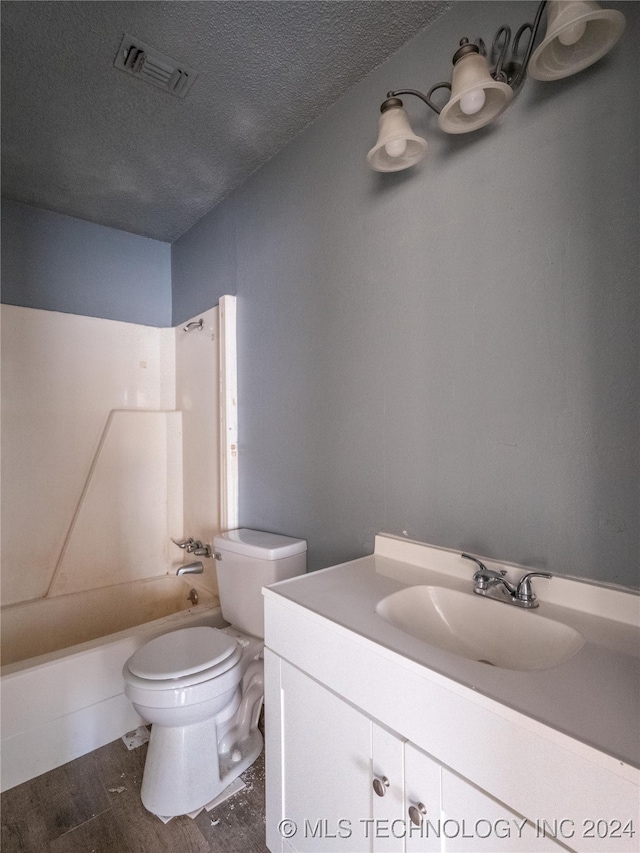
[(189, 685), (202, 688)]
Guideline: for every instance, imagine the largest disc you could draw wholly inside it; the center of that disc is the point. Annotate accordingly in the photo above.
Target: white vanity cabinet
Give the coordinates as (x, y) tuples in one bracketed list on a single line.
[(341, 781), (352, 703)]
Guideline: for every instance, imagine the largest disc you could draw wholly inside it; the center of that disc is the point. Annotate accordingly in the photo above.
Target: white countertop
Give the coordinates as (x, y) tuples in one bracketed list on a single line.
[(594, 697)]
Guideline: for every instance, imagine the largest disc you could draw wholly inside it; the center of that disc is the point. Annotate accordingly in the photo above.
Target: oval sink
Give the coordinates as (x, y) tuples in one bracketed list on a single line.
[(480, 629)]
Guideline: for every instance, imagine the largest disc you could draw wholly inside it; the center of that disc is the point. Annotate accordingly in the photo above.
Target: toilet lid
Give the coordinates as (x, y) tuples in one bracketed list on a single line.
[(182, 652)]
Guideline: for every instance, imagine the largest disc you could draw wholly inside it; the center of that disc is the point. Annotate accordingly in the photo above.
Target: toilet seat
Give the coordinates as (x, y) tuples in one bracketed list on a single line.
[(183, 658)]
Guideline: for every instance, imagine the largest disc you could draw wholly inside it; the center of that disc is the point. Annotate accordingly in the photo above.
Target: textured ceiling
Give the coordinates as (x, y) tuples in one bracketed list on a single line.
[(83, 138)]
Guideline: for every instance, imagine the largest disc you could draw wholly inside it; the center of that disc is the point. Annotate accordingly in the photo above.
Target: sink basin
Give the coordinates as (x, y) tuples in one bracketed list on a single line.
[(480, 629)]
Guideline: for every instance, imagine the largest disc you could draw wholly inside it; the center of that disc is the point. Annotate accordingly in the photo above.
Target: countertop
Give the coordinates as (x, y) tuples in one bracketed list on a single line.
[(594, 697)]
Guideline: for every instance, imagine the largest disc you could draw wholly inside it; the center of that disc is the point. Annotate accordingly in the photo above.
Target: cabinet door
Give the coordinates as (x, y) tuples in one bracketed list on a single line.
[(422, 801), (326, 768), (386, 828), (473, 822)]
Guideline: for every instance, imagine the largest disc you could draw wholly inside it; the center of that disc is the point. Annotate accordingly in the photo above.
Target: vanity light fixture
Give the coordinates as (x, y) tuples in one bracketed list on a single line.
[(579, 32)]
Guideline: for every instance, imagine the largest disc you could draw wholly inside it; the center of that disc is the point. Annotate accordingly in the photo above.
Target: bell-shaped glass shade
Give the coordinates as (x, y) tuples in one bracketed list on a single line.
[(397, 147), (579, 33), (476, 98)]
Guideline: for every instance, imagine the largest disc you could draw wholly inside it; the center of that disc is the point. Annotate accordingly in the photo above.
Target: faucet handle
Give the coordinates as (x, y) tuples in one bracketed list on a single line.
[(482, 566), (203, 551), (524, 591), (184, 544), (483, 572)]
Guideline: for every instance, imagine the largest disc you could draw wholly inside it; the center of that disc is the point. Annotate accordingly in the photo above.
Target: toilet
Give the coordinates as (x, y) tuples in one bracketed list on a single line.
[(202, 688)]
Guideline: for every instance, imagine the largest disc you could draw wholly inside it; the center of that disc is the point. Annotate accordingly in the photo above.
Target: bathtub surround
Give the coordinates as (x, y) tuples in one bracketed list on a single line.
[(68, 383), (109, 437), (449, 353)]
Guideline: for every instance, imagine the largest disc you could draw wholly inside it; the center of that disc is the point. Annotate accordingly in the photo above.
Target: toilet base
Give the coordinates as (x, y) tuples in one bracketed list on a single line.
[(230, 791), (183, 772)]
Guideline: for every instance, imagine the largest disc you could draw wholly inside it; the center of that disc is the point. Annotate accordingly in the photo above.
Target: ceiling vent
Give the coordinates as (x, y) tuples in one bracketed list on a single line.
[(138, 59)]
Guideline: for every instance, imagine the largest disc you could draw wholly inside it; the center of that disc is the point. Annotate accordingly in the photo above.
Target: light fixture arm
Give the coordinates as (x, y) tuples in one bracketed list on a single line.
[(507, 67), (426, 98), (505, 33), (520, 69)]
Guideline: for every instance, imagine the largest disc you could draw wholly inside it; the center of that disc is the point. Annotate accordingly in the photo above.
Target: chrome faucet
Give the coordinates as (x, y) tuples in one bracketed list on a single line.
[(185, 543), (194, 546), (495, 585), (191, 569), (201, 550)]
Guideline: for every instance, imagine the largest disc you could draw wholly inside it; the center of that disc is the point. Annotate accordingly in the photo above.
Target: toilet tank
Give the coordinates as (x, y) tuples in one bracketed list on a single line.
[(247, 560)]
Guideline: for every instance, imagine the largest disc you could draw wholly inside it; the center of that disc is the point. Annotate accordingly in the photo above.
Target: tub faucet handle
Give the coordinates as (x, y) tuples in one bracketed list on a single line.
[(184, 544), (203, 551)]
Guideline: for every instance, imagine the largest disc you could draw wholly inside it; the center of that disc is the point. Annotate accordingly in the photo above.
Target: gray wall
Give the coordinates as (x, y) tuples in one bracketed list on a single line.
[(450, 352), (59, 263)]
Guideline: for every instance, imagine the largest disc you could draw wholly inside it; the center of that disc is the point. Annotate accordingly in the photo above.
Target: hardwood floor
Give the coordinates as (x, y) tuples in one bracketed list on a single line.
[(92, 805)]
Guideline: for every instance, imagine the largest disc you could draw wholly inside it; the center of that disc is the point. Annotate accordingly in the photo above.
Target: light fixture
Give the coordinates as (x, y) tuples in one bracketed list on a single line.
[(397, 147), (476, 98), (579, 33)]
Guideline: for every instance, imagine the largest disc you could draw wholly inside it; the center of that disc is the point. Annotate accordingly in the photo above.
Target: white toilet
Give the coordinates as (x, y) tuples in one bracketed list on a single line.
[(202, 688)]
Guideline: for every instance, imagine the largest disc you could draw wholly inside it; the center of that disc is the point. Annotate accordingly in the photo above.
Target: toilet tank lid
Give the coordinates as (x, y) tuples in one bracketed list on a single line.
[(257, 543)]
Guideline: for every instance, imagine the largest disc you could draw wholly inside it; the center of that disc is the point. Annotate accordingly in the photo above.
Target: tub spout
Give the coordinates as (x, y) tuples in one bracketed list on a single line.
[(191, 569)]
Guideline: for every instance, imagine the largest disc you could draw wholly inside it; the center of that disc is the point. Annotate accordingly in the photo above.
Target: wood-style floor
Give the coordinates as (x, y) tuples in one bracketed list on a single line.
[(92, 805)]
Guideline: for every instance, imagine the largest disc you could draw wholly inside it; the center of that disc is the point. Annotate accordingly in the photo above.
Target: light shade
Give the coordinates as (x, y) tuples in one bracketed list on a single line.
[(397, 147), (579, 33), (476, 98)]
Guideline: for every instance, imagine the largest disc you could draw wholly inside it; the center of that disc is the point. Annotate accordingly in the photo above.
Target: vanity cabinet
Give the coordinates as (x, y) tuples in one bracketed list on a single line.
[(339, 780), (348, 711)]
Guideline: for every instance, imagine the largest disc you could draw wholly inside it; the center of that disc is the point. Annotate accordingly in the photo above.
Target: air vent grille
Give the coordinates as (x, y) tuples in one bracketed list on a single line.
[(138, 59)]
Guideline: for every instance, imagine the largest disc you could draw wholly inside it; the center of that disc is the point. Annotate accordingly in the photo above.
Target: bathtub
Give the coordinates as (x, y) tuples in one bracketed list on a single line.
[(61, 682)]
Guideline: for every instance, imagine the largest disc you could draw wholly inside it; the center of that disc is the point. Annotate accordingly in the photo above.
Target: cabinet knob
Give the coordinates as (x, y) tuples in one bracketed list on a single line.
[(416, 813), (380, 785)]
